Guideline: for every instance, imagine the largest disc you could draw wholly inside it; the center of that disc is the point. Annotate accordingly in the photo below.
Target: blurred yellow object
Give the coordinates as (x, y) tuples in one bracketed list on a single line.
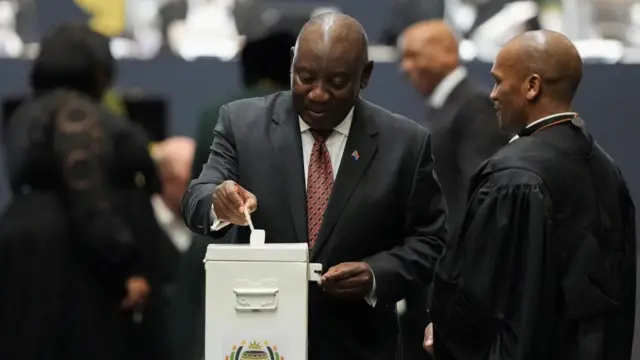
[(114, 103), (107, 16), (152, 147)]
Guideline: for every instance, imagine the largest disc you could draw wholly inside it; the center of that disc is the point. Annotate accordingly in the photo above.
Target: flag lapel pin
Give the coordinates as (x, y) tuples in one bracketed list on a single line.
[(355, 155)]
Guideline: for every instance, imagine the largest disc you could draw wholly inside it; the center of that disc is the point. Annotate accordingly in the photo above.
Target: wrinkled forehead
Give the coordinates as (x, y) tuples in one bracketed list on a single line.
[(329, 51)]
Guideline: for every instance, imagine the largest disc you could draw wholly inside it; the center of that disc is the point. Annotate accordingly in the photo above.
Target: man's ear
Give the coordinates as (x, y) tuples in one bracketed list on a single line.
[(534, 84), (366, 75)]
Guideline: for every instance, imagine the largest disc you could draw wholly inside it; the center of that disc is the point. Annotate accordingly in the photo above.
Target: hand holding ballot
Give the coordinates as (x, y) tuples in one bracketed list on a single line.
[(230, 200), (352, 280)]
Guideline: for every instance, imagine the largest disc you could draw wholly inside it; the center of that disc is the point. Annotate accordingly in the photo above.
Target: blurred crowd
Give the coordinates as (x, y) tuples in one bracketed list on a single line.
[(190, 29)]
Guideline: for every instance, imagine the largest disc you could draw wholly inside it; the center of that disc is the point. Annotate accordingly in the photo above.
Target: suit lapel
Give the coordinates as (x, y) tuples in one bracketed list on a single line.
[(287, 146), (361, 147)]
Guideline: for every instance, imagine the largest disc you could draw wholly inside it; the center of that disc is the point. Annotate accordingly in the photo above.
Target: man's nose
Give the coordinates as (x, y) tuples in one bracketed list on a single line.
[(492, 96), (318, 94)]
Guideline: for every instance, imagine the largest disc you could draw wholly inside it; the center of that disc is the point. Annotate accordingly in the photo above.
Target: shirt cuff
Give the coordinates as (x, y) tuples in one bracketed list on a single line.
[(215, 223), (372, 297)]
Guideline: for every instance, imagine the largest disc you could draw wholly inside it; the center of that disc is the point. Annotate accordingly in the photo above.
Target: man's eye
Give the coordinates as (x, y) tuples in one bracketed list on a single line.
[(339, 82), (305, 78)]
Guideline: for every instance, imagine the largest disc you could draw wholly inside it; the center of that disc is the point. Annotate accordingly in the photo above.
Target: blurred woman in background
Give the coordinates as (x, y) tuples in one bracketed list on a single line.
[(57, 301), (64, 255)]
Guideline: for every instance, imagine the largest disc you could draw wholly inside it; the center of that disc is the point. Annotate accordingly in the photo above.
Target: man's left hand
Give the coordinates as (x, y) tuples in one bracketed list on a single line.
[(138, 290), (351, 280)]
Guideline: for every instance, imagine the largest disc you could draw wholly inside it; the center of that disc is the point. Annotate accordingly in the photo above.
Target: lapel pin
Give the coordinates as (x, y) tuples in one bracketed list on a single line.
[(355, 155)]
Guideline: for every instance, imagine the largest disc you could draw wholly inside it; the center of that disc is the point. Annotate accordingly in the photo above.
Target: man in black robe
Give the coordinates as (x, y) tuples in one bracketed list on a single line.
[(544, 264)]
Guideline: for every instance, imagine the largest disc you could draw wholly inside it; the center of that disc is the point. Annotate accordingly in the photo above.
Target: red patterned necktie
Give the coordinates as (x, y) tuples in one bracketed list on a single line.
[(319, 184)]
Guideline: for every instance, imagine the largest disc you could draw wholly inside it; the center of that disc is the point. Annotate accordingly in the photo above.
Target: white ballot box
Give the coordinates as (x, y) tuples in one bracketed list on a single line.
[(256, 301)]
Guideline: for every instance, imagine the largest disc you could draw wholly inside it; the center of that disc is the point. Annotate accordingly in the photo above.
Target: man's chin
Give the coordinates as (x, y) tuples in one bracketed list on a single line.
[(317, 121)]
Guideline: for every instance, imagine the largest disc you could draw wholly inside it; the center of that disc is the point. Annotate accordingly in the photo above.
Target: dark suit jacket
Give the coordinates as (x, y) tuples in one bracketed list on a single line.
[(464, 133), (386, 209), (208, 120)]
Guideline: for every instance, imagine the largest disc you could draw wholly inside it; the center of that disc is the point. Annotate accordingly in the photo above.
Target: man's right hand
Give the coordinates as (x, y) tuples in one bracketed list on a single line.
[(428, 339), (229, 201)]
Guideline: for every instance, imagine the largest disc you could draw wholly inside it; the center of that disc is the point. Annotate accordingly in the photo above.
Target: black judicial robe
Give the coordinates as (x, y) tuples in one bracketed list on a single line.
[(544, 264)]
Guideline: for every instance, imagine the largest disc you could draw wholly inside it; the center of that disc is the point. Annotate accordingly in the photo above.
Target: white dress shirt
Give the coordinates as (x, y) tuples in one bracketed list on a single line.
[(335, 144), (173, 226), (516, 137), (446, 86)]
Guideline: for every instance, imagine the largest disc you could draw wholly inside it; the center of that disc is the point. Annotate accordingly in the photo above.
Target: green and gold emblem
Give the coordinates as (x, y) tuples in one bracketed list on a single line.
[(254, 350)]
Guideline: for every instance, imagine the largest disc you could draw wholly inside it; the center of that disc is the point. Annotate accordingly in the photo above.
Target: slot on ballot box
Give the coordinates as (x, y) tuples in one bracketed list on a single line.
[(256, 301)]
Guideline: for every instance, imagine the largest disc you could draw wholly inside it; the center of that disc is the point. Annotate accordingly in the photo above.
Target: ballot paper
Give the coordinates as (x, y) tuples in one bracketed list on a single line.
[(258, 236)]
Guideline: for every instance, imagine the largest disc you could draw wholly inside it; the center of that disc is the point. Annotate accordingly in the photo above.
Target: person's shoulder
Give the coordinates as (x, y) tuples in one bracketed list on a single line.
[(393, 123), (256, 105), (524, 156)]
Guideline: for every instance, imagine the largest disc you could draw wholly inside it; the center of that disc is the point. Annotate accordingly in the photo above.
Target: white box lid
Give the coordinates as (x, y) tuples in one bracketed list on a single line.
[(296, 252)]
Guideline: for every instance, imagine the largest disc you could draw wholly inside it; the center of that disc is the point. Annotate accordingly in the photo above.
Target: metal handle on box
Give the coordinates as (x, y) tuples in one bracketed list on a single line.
[(256, 299)]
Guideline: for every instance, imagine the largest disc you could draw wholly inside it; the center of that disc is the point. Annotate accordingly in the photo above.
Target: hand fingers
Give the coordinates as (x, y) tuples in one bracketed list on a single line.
[(226, 212), (249, 200), (236, 203), (341, 272), (229, 203), (354, 282), (428, 338), (251, 203)]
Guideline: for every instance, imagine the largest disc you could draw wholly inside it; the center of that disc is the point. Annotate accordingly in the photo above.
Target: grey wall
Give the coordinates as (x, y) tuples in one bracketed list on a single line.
[(608, 99)]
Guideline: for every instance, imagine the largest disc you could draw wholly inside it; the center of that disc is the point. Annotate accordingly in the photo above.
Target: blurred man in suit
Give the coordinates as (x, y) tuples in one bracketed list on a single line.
[(173, 158), (465, 132), (321, 165), (5, 193), (460, 114)]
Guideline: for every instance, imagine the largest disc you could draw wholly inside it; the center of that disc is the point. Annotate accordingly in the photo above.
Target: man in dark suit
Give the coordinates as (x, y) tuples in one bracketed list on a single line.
[(378, 227), (460, 115), (465, 132)]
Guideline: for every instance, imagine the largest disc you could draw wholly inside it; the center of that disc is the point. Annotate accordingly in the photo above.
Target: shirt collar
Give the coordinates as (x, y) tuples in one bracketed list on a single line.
[(446, 86), (516, 137), (342, 128), (162, 212)]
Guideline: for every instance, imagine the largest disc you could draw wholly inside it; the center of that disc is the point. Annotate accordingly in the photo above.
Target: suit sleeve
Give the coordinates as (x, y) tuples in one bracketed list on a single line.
[(412, 261), (221, 166)]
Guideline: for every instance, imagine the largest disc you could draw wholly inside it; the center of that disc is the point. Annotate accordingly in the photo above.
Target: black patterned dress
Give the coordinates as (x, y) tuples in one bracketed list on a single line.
[(64, 256)]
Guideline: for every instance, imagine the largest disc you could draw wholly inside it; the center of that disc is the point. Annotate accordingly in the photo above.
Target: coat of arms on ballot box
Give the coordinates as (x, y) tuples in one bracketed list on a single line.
[(254, 350)]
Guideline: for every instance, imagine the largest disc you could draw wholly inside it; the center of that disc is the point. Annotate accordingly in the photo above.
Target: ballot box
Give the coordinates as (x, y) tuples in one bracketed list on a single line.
[(256, 301)]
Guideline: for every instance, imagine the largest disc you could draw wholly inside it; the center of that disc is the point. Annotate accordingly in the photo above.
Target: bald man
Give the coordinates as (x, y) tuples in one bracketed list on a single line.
[(320, 165), (460, 115), (544, 266)]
